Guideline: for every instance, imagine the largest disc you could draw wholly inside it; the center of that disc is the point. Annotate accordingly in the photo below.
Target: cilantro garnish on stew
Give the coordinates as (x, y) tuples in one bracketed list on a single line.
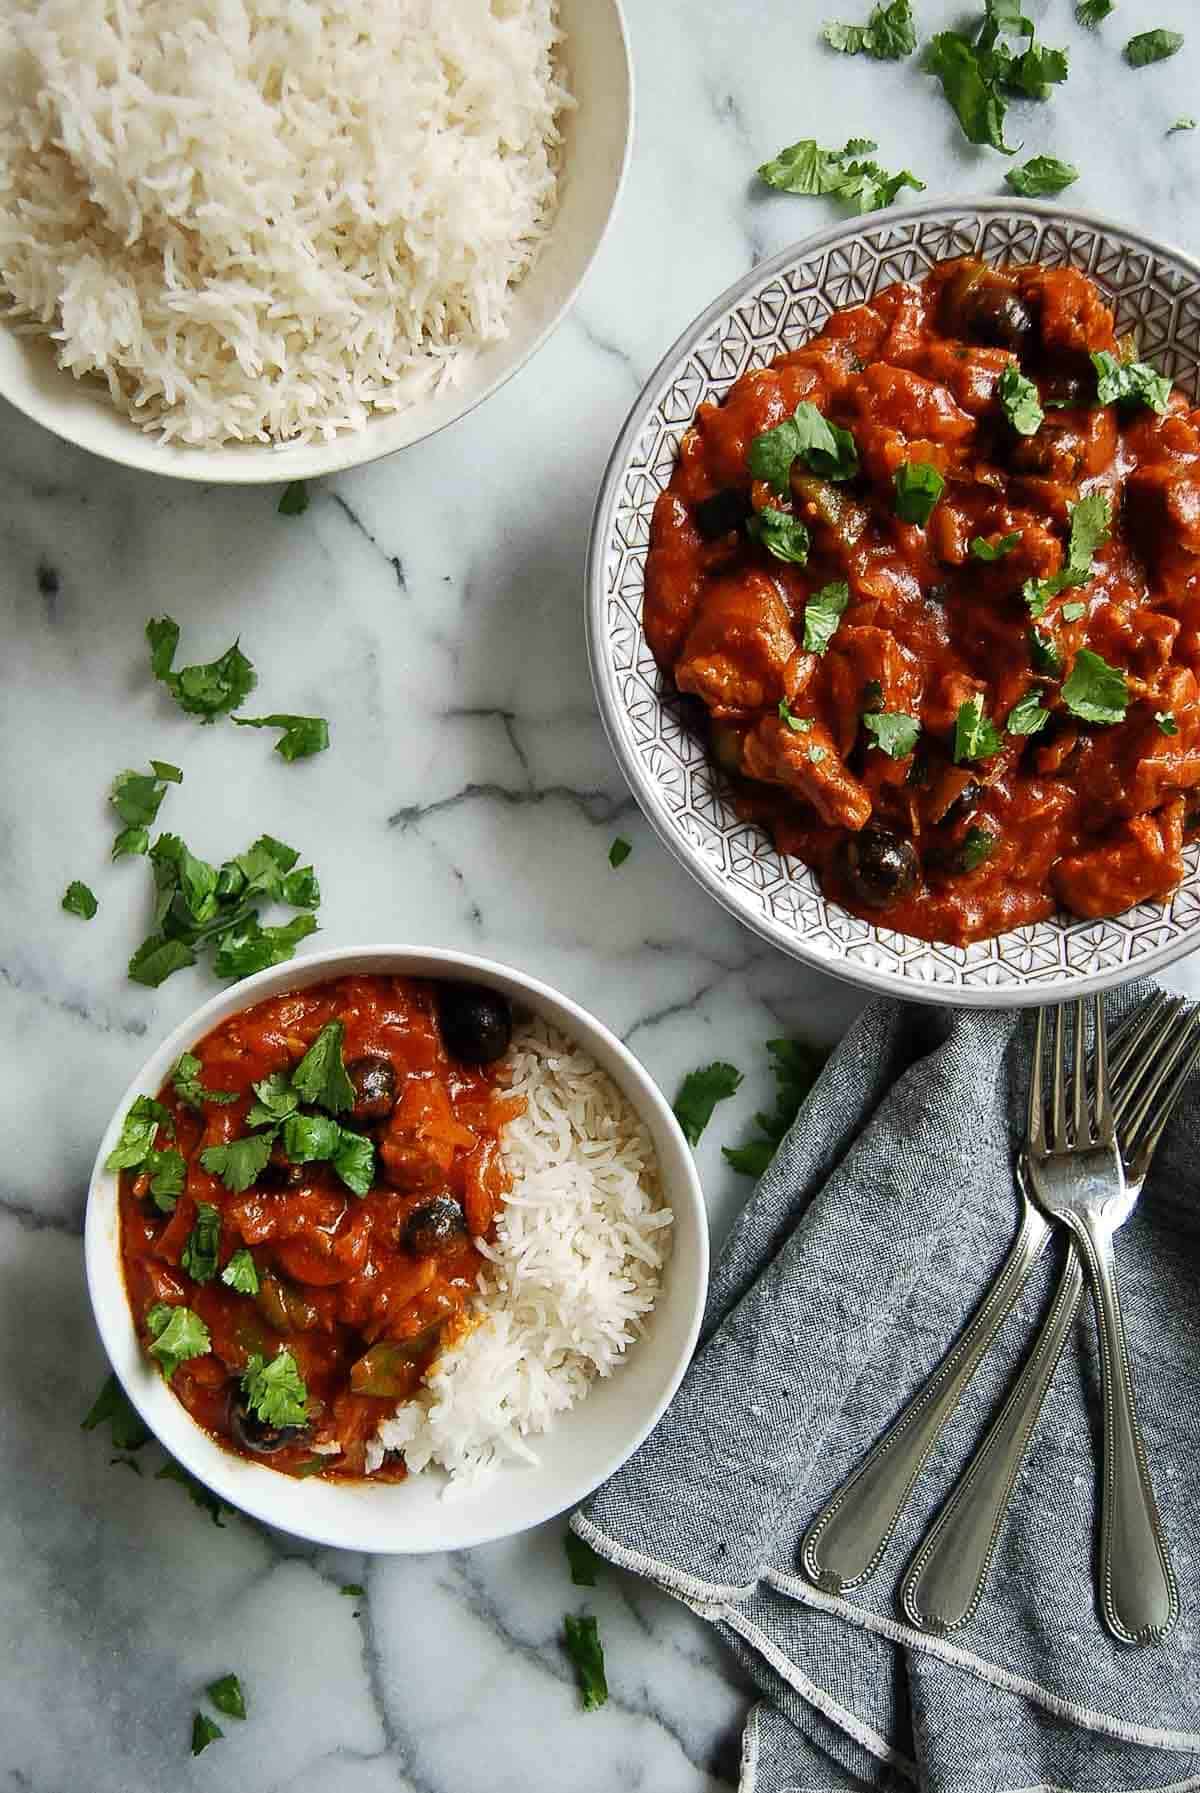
[(209, 690), (825, 448), (847, 173), (1043, 653), (1095, 691), (302, 735), (241, 1272), (1027, 716), (1090, 522), (975, 738), (888, 35), (1041, 176), (1019, 398), (188, 1087), (977, 848), (275, 1390), (320, 1077), (1130, 383), (895, 733), (982, 549), (176, 1335), (582, 1636), (918, 488), (796, 1066), (240, 1162), (699, 1094), (201, 1252), (79, 900), (822, 614), (799, 725), (1152, 46), (1167, 724), (780, 534)]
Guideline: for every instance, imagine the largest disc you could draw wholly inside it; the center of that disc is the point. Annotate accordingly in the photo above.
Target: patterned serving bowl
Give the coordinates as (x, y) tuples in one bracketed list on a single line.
[(776, 307)]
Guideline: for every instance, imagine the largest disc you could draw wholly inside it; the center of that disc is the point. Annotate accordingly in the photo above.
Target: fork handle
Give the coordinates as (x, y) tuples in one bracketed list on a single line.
[(1138, 1593), (946, 1578), (846, 1543)]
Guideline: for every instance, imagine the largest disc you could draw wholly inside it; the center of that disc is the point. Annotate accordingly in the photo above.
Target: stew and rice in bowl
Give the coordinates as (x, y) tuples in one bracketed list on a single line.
[(383, 1221), (929, 584)]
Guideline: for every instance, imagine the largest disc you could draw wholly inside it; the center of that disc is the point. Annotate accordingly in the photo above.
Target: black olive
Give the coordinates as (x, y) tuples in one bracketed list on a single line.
[(253, 1434), (476, 1022), (967, 800), (374, 1080), (879, 866), (997, 316), (434, 1225), (716, 516)]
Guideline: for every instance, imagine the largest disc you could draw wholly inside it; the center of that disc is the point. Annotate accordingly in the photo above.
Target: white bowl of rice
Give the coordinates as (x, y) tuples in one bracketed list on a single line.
[(586, 1318), (252, 241)]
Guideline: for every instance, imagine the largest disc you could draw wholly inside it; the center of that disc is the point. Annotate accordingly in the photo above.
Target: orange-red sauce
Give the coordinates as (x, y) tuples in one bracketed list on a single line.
[(1090, 818), (336, 1277)]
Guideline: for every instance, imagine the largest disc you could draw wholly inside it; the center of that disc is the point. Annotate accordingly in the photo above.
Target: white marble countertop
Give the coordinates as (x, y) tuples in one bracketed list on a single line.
[(431, 606)]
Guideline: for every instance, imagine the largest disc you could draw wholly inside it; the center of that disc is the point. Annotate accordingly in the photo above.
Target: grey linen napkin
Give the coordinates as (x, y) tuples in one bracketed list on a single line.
[(861, 1255)]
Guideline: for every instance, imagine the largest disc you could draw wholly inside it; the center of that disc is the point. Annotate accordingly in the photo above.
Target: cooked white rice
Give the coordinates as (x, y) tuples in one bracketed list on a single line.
[(261, 220), (575, 1267)]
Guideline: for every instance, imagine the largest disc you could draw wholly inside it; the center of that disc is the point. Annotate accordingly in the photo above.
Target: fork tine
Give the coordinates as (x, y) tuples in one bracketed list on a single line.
[(1059, 1141), (1035, 1124), (1147, 1115), (1081, 1129), (1102, 1101), (1143, 1055), (1124, 1041), (1145, 1144)]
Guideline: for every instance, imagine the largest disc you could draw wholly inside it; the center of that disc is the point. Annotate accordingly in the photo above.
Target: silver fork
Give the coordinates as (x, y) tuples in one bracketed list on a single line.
[(1153, 1056), (846, 1542), (1077, 1177)]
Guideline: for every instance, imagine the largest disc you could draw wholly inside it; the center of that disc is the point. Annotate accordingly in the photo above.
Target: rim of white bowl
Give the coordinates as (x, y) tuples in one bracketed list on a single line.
[(260, 464), (604, 684), (279, 1500)]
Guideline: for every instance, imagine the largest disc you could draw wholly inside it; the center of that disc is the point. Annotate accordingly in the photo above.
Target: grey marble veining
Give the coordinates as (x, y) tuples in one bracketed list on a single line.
[(431, 606)]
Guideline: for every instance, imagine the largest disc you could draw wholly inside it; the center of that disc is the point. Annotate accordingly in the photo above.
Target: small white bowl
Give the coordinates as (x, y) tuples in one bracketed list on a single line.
[(584, 1447), (597, 133)]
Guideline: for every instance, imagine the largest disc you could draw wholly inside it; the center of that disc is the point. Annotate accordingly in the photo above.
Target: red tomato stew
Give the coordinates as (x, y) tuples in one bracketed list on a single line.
[(931, 584), (299, 1210)]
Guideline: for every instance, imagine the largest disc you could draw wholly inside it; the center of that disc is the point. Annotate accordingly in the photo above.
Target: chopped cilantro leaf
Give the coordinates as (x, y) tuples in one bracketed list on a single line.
[(918, 488), (249, 947), (817, 754), (166, 771), (699, 1094), (186, 886), (973, 71), (204, 1732), (1166, 722), (201, 1253), (586, 1652), (276, 1100), (969, 87), (888, 35), (354, 1160), (1019, 398), (1095, 691), (895, 733), (796, 1066), (188, 1087), (241, 1272), (227, 1696), (799, 725), (1041, 176), (176, 1335), (207, 691), (136, 797), (977, 848), (320, 1077), (822, 614), (619, 852), (582, 1560), (845, 173), (275, 1390), (825, 448), (168, 1173), (1090, 521), (294, 499), (302, 735), (125, 1463), (309, 1137), (1072, 612), (1130, 383), (157, 958), (1181, 124), (1027, 716), (124, 1422), (975, 738), (1152, 46), (1090, 12), (240, 1162), (139, 1132), (354, 1590), (780, 534), (1043, 653), (982, 549), (79, 900), (130, 842), (197, 1493)]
